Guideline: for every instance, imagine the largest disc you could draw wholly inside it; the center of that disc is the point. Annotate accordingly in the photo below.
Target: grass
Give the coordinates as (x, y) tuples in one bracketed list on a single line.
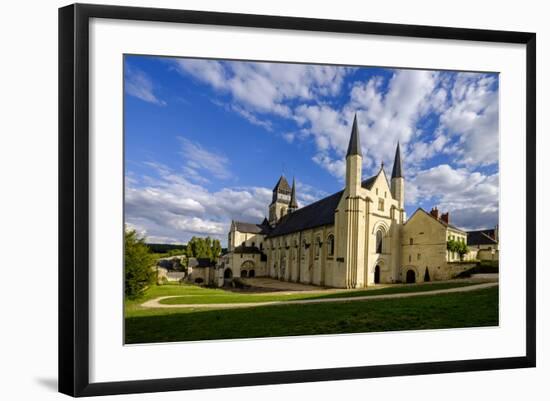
[(468, 309), (223, 297)]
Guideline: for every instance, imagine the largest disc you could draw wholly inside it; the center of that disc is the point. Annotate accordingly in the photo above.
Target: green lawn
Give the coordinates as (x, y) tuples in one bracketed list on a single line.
[(192, 297), (469, 309)]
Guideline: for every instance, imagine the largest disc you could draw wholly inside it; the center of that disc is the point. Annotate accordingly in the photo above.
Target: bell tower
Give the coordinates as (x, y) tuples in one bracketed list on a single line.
[(280, 201), (350, 218)]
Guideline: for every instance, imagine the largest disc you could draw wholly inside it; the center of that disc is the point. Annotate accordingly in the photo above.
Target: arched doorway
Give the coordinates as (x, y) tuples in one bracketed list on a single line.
[(251, 273), (377, 274), (411, 277), (427, 275), (228, 274), (246, 268)]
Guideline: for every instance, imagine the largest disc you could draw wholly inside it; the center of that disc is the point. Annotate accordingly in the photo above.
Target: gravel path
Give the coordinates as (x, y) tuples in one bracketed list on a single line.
[(155, 303)]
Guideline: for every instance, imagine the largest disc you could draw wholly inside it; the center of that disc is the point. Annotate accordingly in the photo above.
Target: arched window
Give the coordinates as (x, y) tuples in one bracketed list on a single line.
[(331, 245), (317, 246), (379, 241)]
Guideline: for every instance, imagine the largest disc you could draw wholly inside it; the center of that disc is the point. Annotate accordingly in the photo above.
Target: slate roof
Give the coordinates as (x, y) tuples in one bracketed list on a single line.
[(246, 249), (481, 237), (396, 172), (354, 147), (201, 262), (282, 185), (252, 228), (317, 214)]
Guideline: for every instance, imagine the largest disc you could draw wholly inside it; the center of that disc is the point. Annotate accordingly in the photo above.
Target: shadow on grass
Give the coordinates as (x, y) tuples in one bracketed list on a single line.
[(456, 310)]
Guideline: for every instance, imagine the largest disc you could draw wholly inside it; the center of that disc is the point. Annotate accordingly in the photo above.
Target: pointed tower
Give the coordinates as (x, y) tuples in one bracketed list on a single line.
[(350, 217), (397, 180), (280, 200), (293, 203), (354, 161)]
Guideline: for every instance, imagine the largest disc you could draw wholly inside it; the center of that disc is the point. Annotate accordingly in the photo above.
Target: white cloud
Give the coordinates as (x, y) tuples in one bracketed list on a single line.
[(199, 160), (472, 116), (169, 207), (467, 108), (384, 115), (289, 136), (138, 84), (266, 87), (471, 197)]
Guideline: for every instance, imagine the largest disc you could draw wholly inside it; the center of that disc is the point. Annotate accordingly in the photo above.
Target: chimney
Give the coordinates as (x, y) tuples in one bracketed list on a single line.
[(445, 217), (434, 212)]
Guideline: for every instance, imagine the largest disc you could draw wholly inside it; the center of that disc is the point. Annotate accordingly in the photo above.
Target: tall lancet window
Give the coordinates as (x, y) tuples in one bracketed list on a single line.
[(379, 240), (331, 245)]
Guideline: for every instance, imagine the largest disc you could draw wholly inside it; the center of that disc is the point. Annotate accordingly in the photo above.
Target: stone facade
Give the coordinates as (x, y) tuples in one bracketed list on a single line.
[(355, 238)]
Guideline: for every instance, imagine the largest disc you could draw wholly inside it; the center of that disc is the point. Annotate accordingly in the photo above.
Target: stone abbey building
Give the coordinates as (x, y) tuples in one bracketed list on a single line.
[(351, 239)]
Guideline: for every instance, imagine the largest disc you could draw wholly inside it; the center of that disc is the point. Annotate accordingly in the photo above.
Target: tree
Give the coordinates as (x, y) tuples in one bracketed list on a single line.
[(457, 246), (207, 248), (216, 249), (137, 265)]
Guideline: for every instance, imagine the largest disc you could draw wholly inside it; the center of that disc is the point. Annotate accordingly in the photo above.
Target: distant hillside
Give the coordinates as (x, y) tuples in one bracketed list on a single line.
[(164, 248)]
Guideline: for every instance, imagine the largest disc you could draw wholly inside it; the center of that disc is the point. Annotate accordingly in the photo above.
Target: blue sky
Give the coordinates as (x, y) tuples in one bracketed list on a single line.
[(206, 140)]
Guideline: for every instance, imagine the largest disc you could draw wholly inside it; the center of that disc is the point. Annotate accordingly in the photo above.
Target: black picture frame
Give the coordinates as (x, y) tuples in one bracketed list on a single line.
[(74, 198)]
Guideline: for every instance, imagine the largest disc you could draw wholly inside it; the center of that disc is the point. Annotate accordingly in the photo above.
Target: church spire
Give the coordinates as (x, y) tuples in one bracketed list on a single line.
[(396, 172), (354, 147), (293, 203), (397, 180)]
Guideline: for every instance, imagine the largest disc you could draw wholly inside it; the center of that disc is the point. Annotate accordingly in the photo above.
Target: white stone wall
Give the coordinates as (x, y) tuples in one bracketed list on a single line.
[(237, 238), (424, 245)]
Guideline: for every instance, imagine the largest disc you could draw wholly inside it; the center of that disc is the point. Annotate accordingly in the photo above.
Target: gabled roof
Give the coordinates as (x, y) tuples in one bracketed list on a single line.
[(369, 182), (396, 172), (354, 147), (317, 214), (320, 213), (252, 228), (481, 237), (446, 225), (282, 185)]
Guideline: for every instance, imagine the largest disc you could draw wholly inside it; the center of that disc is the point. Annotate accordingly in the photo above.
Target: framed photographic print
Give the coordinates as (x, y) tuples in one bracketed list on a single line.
[(251, 199)]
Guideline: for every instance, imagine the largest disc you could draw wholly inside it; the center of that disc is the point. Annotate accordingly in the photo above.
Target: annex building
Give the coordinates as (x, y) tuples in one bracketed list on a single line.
[(351, 239)]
